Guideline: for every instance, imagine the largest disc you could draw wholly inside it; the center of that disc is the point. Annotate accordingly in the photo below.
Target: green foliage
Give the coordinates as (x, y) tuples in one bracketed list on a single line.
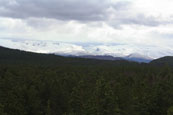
[(170, 111), (2, 110), (37, 84), (48, 112)]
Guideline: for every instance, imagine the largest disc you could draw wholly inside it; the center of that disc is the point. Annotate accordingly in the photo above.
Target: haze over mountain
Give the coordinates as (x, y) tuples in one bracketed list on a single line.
[(129, 52)]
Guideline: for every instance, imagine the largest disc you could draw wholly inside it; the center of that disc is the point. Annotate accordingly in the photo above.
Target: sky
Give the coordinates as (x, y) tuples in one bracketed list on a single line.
[(131, 22)]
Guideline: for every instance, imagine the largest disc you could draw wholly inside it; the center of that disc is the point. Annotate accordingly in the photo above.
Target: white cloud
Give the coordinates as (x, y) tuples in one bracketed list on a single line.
[(155, 7), (133, 22)]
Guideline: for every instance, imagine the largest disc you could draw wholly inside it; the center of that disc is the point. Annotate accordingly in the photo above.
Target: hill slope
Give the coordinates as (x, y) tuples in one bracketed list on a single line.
[(163, 61), (11, 56)]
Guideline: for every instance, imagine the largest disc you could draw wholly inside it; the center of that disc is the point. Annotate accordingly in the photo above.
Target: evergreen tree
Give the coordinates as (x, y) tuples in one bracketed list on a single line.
[(170, 111)]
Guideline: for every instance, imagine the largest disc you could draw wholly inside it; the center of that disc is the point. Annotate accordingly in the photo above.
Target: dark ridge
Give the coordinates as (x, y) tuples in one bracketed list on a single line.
[(168, 61), (102, 57), (14, 56)]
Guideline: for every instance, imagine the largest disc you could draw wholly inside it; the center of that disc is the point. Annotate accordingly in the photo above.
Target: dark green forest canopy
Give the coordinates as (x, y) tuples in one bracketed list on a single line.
[(42, 84)]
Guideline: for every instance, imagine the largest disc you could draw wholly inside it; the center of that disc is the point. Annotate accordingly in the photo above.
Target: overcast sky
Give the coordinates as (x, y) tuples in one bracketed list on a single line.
[(145, 22)]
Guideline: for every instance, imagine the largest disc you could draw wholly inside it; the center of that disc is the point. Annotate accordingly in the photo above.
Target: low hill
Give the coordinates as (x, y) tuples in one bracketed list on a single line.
[(12, 56), (163, 61)]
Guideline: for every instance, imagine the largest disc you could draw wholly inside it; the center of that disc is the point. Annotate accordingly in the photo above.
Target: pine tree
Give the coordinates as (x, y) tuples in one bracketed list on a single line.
[(48, 110), (105, 102), (170, 111)]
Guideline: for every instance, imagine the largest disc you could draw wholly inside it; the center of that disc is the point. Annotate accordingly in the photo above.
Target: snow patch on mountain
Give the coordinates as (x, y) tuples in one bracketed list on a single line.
[(42, 47), (138, 55), (80, 49)]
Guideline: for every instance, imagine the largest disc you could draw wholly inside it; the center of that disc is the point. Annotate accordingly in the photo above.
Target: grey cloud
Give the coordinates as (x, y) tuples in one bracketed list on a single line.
[(138, 19), (122, 5), (79, 10), (89, 10), (141, 19)]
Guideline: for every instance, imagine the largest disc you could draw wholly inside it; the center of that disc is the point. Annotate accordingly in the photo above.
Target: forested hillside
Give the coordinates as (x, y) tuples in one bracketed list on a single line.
[(13, 57), (39, 84), (163, 61)]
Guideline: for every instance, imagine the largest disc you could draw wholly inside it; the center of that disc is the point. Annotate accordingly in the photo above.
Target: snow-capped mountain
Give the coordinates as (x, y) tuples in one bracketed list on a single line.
[(138, 58), (130, 52)]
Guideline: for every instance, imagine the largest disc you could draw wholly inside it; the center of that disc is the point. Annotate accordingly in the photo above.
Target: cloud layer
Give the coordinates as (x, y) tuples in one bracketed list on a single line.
[(114, 13), (133, 22), (89, 10)]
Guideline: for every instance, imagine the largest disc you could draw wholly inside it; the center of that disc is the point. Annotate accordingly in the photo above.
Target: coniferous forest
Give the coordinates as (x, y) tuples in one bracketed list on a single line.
[(40, 84)]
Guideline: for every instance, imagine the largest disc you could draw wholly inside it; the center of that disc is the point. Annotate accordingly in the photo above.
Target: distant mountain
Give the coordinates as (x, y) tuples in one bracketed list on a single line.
[(6, 53), (168, 60), (139, 53), (132, 57), (138, 58), (101, 57)]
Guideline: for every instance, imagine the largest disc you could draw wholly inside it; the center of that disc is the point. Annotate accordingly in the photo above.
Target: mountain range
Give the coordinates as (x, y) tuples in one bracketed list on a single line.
[(12, 56), (131, 57), (95, 51)]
